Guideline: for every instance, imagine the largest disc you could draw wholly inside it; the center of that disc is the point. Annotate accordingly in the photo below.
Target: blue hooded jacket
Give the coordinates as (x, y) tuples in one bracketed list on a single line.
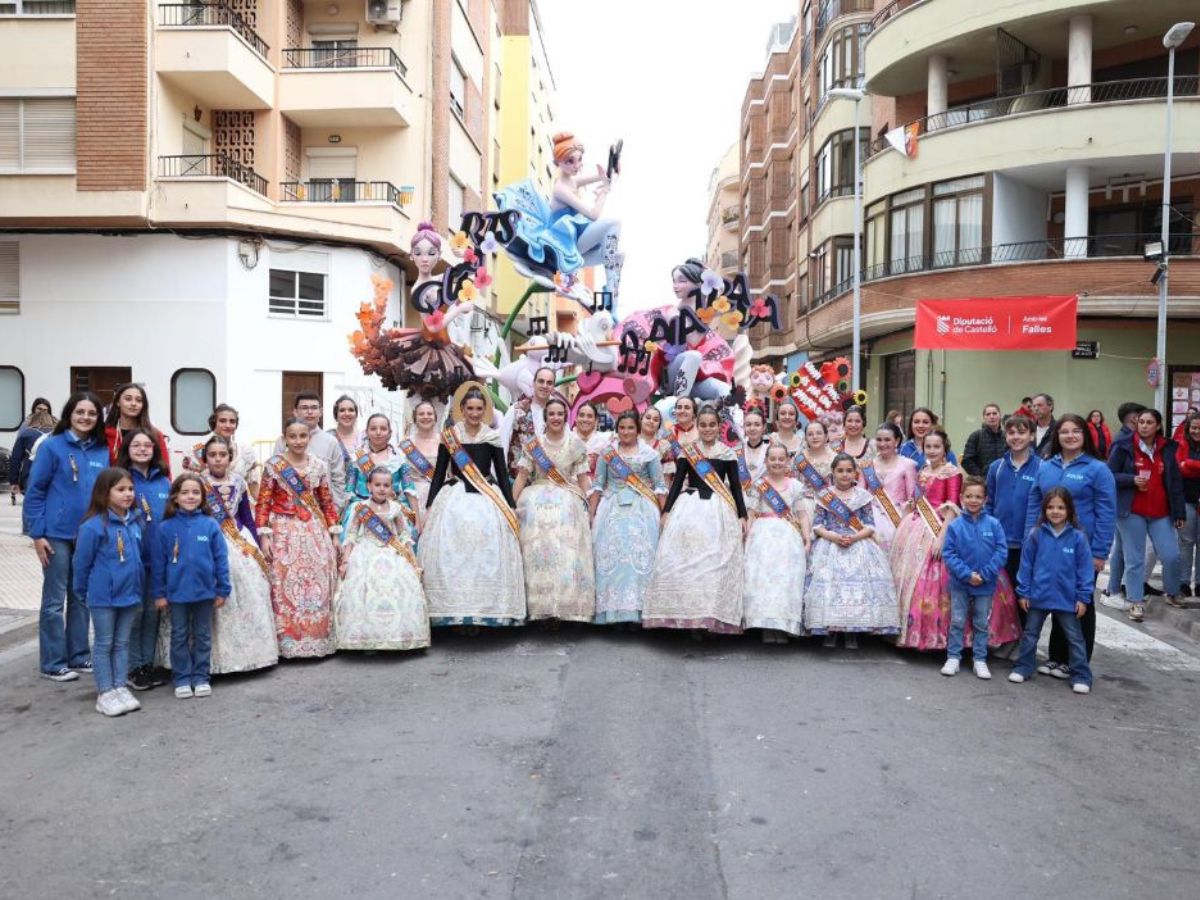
[(60, 485), (1056, 569), (1094, 491), (151, 493), (189, 561), (109, 562), (975, 544), (1008, 493)]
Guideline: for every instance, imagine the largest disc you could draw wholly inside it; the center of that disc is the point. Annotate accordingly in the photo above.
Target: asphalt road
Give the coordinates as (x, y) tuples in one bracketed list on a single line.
[(540, 764)]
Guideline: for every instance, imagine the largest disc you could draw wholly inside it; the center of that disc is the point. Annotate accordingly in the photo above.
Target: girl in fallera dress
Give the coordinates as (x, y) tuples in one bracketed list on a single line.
[(850, 586), (556, 537), (651, 435), (891, 479), (379, 604), (776, 548), (754, 449), (593, 440), (345, 414), (420, 449), (697, 581), (244, 628), (787, 419), (625, 506), (922, 579), (297, 526), (377, 452), (855, 442), (224, 423), (469, 550), (814, 464), (684, 431)]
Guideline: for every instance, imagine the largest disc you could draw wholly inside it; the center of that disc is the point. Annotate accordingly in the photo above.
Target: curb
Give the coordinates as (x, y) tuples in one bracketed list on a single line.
[(19, 632), (1184, 620)]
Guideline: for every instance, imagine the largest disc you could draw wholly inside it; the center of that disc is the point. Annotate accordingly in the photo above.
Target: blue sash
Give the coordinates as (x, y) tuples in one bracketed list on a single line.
[(616, 464), (379, 528), (306, 503), (417, 458), (775, 500), (743, 470), (704, 469), (825, 496)]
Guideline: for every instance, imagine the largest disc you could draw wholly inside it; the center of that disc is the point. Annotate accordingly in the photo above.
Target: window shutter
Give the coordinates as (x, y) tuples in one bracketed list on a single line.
[(49, 133), (10, 277), (10, 158), (331, 167)]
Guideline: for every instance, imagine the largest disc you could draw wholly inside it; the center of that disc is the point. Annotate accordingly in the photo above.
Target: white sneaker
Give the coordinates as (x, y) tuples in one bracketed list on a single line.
[(982, 670), (184, 692), (1114, 601), (202, 690), (1016, 677), (1081, 688), (109, 704), (128, 701), (951, 667)]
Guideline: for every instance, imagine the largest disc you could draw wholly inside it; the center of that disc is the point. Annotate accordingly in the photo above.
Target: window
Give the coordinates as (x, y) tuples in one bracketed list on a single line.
[(10, 277), (37, 8), (335, 53), (458, 88), (37, 134), (907, 231), (299, 294), (12, 398), (835, 163), (876, 237), (193, 396), (804, 199), (801, 295), (498, 90), (958, 222), (841, 63), (458, 202)]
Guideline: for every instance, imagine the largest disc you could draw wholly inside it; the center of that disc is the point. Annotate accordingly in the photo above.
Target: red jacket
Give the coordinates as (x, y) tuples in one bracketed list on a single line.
[(1102, 447), (113, 433)]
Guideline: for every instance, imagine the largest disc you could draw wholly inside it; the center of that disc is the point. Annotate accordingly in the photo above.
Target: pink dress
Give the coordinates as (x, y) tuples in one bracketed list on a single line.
[(923, 582), (900, 484)]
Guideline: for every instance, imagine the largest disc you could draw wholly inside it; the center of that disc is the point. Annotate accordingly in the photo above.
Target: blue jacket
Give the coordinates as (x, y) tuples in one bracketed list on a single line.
[(1056, 569), (1008, 494), (58, 494), (1092, 488), (1124, 468), (189, 560), (19, 463), (975, 544), (151, 493), (109, 562)]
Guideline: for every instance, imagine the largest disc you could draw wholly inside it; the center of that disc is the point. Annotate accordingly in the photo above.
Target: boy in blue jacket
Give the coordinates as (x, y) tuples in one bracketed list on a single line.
[(189, 569), (1009, 480), (974, 551), (1056, 581)]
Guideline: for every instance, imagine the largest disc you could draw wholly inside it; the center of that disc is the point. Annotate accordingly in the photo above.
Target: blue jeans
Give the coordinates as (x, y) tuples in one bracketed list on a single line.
[(110, 661), (1081, 673), (191, 642), (1116, 564), (145, 632), (961, 602), (1189, 548), (61, 645), (1134, 531)]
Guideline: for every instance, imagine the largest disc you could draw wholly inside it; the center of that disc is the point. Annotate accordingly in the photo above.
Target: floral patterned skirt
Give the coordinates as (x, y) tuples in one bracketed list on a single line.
[(556, 546), (625, 539), (303, 578), (380, 604), (775, 570)]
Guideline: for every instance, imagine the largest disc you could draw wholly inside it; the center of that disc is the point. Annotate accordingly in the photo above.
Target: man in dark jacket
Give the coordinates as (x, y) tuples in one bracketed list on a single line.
[(1044, 422), (986, 445)]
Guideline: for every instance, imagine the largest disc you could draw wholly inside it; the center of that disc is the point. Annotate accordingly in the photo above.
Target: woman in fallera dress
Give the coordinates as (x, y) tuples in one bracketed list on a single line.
[(297, 527), (420, 449), (556, 538), (891, 479), (374, 453), (625, 503), (469, 551), (379, 604), (855, 442), (787, 418), (586, 430), (813, 464), (776, 549), (224, 423), (753, 451), (651, 434), (697, 581)]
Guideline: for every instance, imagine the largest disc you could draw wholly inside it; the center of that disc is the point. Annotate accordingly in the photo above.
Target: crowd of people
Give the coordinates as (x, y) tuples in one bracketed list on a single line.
[(359, 539)]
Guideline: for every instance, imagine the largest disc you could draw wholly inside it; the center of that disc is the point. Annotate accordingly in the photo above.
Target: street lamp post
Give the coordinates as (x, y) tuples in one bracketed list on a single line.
[(856, 94), (1171, 40)]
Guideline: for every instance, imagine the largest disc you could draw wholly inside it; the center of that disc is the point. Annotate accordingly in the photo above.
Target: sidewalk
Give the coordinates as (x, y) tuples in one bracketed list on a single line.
[(20, 576)]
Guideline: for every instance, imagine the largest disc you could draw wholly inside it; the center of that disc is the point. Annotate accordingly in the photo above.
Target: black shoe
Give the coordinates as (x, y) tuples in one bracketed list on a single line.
[(158, 675), (139, 679), (1151, 591), (1185, 590)]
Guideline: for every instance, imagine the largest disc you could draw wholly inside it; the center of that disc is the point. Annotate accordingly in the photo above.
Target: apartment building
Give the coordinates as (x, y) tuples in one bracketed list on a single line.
[(724, 215), (196, 195), (1040, 128)]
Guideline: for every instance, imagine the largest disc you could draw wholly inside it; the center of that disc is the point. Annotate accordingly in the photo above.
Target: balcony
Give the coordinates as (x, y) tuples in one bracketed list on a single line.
[(359, 86), (35, 8), (211, 52), (211, 166), (730, 216), (729, 260), (345, 191), (831, 10)]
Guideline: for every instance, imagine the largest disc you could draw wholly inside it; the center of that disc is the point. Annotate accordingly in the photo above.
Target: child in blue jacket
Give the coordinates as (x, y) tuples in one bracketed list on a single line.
[(189, 565), (1056, 580), (974, 551), (109, 570)]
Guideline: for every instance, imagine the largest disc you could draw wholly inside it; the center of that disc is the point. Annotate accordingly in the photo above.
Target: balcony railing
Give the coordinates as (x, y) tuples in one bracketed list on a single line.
[(211, 165), (1096, 246), (729, 259), (212, 14), (343, 58), (37, 8), (892, 10), (833, 9), (1052, 98), (345, 190)]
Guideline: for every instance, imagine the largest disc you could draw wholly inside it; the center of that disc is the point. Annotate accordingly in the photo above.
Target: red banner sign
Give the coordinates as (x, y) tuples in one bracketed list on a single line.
[(996, 323)]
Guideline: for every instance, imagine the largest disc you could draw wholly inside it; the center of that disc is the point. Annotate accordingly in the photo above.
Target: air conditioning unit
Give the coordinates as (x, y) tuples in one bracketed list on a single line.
[(384, 13)]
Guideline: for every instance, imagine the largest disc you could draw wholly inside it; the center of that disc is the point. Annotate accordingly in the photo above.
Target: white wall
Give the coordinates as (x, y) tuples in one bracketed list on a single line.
[(1018, 211)]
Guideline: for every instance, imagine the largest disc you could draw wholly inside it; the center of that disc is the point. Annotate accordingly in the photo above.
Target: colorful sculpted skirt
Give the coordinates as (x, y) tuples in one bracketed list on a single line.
[(697, 580), (625, 538), (775, 570), (556, 546)]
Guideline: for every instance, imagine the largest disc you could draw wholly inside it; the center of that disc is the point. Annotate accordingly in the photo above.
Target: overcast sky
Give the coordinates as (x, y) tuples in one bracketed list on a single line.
[(668, 76)]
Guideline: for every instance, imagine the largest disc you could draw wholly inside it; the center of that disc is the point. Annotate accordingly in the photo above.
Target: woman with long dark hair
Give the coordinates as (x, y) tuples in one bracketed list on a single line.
[(130, 410), (60, 488)]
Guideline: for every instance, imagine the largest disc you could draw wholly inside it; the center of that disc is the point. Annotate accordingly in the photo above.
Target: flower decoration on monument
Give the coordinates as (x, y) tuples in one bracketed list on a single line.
[(711, 284), (459, 243), (489, 244)]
